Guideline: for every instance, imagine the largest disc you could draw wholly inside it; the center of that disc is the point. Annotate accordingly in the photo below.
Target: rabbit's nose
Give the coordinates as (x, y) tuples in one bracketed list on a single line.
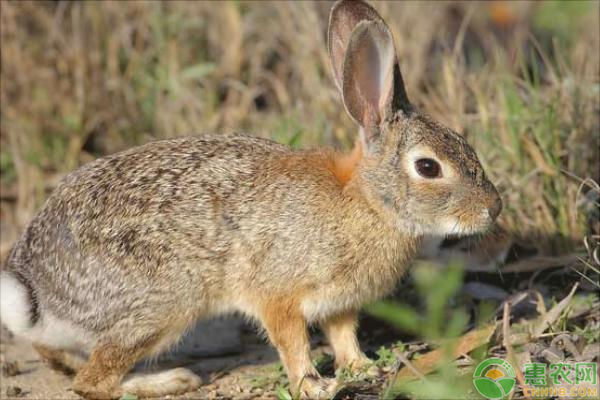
[(495, 208)]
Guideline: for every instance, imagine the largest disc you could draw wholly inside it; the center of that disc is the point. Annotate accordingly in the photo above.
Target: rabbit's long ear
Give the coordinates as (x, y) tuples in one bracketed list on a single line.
[(344, 16), (365, 65), (372, 87)]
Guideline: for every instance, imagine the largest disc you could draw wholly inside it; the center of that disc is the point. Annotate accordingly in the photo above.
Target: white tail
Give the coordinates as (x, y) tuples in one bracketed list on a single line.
[(15, 307)]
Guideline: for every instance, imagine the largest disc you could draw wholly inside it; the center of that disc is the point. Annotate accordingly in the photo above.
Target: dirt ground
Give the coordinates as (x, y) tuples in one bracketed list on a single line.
[(231, 359)]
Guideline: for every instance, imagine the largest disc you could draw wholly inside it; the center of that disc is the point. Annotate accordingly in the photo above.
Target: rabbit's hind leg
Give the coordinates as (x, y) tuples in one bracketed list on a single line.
[(59, 360), (103, 376)]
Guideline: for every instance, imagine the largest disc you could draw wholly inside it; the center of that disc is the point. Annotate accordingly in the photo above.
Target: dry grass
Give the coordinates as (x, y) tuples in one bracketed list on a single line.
[(521, 80)]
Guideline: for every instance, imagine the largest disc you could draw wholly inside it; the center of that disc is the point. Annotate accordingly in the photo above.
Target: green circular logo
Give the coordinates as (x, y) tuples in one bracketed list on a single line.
[(494, 378)]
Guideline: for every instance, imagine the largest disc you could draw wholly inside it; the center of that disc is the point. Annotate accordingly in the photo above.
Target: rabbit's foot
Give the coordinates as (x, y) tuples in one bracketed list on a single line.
[(367, 367), (106, 388), (361, 368), (371, 371), (101, 376), (316, 387), (174, 381)]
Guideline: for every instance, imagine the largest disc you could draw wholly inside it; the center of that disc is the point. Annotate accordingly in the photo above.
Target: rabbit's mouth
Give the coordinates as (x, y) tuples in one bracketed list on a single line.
[(451, 228), (450, 241), (464, 224)]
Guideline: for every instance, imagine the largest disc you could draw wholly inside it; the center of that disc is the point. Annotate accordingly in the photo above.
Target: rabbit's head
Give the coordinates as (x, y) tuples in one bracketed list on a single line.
[(421, 174)]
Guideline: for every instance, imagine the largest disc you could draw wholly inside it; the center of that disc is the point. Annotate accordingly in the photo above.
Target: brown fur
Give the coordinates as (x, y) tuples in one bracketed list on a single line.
[(106, 367), (286, 327), (345, 164), (59, 360), (341, 332)]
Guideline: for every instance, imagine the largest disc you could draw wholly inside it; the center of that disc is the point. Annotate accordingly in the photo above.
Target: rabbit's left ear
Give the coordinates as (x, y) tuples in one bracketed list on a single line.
[(365, 65), (344, 16)]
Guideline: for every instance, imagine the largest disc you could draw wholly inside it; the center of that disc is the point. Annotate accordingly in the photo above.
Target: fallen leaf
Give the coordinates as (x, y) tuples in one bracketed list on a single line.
[(551, 316), (539, 263), (467, 343)]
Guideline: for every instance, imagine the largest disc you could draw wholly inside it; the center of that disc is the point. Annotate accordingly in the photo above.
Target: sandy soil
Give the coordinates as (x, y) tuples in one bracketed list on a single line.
[(233, 362)]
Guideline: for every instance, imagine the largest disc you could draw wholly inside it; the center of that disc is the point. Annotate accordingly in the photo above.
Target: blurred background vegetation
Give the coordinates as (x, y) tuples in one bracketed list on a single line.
[(520, 79)]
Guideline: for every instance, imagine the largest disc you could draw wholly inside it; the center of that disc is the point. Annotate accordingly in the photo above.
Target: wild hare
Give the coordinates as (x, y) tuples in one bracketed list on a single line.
[(132, 249)]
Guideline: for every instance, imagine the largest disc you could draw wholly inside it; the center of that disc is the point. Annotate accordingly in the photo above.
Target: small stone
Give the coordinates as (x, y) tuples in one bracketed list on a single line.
[(10, 368), (13, 391), (484, 291), (212, 395), (553, 355), (534, 348), (590, 352)]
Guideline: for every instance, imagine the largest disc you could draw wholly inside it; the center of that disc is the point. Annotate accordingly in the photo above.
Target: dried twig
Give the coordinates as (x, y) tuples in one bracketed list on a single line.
[(410, 366), (510, 353), (540, 306)]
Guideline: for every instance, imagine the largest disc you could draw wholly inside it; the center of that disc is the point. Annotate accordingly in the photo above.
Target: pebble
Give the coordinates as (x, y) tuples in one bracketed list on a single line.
[(553, 355), (13, 391), (10, 368)]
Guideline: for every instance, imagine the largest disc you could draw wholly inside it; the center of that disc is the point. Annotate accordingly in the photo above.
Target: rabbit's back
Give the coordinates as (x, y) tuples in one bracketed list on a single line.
[(140, 229)]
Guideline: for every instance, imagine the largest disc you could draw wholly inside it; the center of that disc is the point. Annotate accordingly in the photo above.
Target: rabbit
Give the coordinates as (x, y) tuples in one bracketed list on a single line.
[(132, 249)]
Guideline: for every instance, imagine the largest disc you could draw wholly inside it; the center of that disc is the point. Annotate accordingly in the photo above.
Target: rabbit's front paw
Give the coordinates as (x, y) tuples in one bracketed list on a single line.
[(362, 368), (318, 388), (372, 371)]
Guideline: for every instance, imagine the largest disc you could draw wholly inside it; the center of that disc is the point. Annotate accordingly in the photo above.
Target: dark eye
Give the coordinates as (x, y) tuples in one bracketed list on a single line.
[(428, 168)]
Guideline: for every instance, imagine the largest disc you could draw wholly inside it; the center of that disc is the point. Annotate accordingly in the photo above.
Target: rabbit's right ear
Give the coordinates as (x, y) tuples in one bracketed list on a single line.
[(365, 66)]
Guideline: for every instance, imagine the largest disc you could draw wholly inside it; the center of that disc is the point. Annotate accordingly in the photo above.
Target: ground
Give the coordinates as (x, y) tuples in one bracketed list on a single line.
[(233, 361), (535, 322), (235, 358)]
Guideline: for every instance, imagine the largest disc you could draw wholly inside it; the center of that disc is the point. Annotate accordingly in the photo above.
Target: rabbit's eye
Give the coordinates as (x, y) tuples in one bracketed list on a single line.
[(428, 168)]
